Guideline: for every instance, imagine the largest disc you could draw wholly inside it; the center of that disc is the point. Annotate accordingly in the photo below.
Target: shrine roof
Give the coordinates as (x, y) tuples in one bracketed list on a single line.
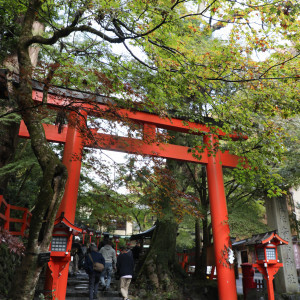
[(261, 239), (62, 220), (143, 235)]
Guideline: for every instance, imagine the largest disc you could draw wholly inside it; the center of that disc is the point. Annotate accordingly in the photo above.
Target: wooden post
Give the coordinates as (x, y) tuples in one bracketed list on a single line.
[(56, 280), (219, 216)]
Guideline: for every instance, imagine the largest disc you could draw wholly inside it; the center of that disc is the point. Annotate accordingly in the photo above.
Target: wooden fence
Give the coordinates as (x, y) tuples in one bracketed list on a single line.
[(13, 218)]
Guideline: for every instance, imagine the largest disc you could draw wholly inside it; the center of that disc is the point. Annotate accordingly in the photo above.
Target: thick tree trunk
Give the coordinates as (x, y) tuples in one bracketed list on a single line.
[(9, 125), (160, 269), (160, 265), (54, 172)]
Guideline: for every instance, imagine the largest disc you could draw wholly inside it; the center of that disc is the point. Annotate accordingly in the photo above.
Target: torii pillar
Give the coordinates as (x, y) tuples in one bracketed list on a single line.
[(57, 271), (219, 219)]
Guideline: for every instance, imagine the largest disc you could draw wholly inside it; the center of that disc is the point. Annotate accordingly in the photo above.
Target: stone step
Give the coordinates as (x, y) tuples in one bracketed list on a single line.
[(84, 289), (78, 288), (76, 282), (81, 287), (99, 297)]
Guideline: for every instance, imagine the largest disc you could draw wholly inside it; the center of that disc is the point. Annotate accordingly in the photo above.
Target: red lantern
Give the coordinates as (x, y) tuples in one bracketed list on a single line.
[(60, 256), (267, 261)]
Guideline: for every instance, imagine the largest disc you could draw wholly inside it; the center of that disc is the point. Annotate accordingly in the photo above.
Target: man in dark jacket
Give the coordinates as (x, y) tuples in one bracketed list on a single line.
[(125, 266), (94, 276)]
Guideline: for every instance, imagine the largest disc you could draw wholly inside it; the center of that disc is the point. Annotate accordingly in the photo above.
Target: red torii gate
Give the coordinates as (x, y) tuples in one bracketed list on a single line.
[(213, 158)]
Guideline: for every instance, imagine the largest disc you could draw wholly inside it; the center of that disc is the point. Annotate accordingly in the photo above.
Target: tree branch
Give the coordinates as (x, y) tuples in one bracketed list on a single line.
[(200, 13), (135, 57), (260, 77)]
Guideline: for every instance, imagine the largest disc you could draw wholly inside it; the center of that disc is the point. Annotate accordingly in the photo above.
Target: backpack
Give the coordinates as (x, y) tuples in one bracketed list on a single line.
[(97, 267)]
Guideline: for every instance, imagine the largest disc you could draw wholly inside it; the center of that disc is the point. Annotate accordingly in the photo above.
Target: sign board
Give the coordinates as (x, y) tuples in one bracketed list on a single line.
[(43, 258)]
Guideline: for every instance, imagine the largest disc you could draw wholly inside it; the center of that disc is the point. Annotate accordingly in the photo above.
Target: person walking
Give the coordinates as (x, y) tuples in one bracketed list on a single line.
[(136, 250), (125, 266), (75, 261), (109, 255), (94, 276)]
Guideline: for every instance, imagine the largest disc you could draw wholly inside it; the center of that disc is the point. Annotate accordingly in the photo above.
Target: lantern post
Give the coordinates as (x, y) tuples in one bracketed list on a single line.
[(267, 261), (84, 232), (91, 234), (116, 240), (98, 237), (60, 247)]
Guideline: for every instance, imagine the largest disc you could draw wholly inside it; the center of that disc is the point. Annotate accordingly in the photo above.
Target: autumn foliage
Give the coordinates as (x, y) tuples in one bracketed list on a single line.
[(14, 244)]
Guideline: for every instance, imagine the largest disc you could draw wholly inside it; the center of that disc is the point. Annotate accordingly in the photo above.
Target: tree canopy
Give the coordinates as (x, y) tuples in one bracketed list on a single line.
[(233, 65)]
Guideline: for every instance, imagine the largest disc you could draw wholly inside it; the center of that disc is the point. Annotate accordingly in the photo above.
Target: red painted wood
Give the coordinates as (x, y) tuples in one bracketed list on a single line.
[(135, 146), (18, 208), (25, 220), (219, 218), (97, 109), (51, 131), (72, 160), (269, 272), (274, 239), (57, 280), (6, 215), (15, 220)]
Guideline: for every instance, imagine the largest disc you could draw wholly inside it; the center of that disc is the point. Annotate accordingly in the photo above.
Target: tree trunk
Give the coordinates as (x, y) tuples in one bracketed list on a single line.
[(47, 204), (160, 264), (201, 256), (160, 268), (9, 125), (201, 272), (197, 246), (54, 172)]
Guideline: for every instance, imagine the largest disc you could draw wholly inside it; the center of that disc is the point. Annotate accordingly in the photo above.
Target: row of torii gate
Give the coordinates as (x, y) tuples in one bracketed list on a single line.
[(81, 105)]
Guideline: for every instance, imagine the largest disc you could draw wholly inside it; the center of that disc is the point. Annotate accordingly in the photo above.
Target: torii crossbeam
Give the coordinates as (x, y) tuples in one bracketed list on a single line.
[(75, 142)]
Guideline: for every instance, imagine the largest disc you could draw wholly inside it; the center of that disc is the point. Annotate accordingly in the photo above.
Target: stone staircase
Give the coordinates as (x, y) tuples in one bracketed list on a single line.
[(78, 288)]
